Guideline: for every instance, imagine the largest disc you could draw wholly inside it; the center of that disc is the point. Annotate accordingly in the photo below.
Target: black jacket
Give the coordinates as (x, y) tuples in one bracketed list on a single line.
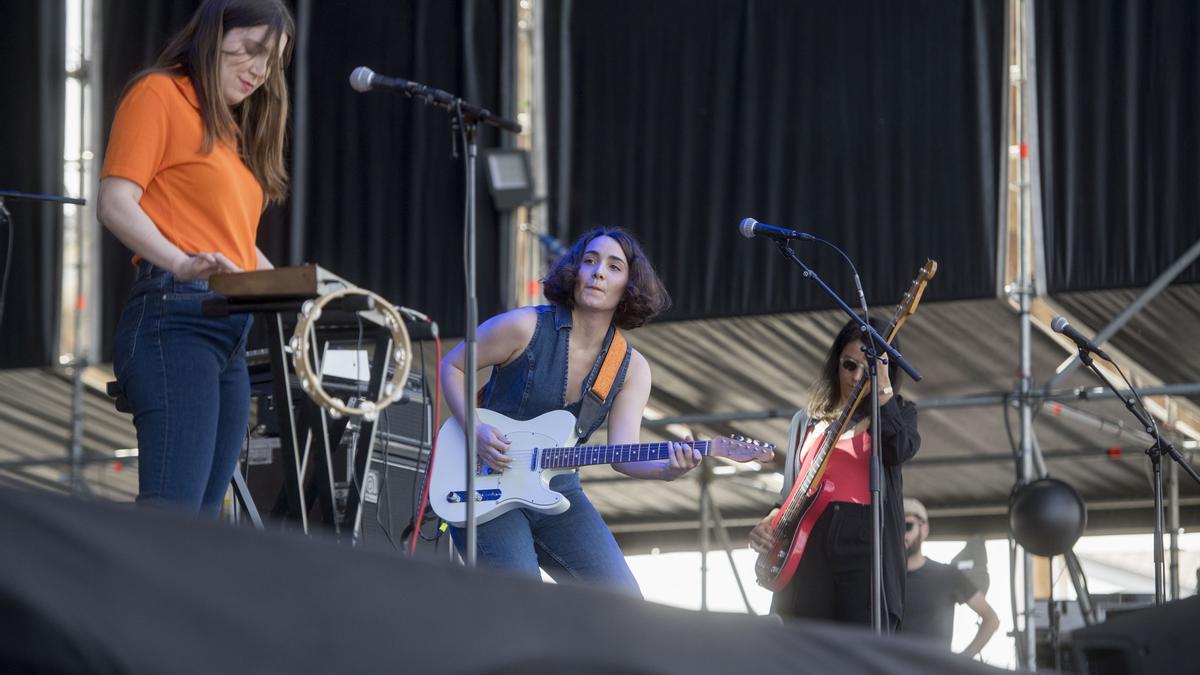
[(900, 441)]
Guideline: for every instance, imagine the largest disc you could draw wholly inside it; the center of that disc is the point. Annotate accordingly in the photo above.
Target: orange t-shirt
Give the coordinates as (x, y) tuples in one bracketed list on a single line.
[(200, 202)]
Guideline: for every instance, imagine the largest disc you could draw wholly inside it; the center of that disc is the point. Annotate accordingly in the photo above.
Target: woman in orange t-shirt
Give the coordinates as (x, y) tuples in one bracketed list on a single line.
[(194, 155)]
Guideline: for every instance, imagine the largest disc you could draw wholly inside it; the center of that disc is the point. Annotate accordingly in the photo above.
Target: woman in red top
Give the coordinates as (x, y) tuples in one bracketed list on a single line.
[(194, 155), (833, 579)]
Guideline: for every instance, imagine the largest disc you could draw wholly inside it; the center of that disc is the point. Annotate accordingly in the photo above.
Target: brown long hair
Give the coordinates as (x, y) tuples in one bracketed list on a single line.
[(826, 392), (645, 296), (259, 123)]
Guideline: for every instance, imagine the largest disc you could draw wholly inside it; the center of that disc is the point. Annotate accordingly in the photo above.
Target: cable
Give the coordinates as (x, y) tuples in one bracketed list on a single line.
[(437, 420), (1012, 597), (1141, 404), (383, 486), (1012, 441), (4, 215), (862, 298), (415, 487)]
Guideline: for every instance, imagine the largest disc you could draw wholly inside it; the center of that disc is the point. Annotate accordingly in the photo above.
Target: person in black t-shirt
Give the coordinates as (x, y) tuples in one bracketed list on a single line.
[(933, 589)]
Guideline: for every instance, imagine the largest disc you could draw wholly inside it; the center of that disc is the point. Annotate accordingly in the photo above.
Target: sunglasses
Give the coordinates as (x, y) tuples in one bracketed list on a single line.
[(909, 525), (852, 366)]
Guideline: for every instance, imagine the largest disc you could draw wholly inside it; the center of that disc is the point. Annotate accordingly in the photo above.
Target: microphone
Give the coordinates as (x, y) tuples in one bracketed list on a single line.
[(1060, 325), (751, 228), (364, 79)]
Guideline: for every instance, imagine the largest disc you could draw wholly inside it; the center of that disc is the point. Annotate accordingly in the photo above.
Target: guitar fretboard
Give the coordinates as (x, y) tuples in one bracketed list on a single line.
[(587, 455)]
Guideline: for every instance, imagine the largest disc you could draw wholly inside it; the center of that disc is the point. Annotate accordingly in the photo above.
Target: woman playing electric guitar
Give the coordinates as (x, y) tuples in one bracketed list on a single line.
[(548, 358), (833, 578)]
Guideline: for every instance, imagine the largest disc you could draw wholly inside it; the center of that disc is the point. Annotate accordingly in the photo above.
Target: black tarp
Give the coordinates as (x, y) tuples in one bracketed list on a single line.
[(874, 124), (96, 587)]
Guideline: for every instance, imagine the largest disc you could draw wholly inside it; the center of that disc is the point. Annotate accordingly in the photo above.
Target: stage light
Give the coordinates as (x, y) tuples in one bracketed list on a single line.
[(510, 179)]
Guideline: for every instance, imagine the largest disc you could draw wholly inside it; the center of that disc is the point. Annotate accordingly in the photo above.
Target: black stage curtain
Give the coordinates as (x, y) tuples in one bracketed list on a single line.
[(105, 588), (1118, 86), (384, 195), (31, 149), (873, 124)]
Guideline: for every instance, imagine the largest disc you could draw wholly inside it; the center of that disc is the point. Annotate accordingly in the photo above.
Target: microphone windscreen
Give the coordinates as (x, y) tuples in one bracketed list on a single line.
[(360, 78)]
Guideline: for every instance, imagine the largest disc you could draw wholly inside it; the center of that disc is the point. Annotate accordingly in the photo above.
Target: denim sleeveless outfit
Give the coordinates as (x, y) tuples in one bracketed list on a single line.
[(576, 544)]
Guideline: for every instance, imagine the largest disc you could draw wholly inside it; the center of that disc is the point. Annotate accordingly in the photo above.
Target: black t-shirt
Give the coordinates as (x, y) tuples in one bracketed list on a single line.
[(930, 594)]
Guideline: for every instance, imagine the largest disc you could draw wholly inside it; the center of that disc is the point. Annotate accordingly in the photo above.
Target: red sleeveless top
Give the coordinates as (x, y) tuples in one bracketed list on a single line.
[(847, 475)]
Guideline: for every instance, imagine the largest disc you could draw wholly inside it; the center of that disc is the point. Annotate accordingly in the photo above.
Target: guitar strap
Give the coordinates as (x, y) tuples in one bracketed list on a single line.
[(593, 408)]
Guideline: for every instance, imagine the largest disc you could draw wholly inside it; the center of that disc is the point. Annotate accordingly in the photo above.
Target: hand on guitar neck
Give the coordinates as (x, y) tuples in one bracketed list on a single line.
[(684, 457)]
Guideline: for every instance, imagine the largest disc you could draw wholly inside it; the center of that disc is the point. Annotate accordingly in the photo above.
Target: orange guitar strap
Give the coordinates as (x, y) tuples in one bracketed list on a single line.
[(593, 409), (611, 366)]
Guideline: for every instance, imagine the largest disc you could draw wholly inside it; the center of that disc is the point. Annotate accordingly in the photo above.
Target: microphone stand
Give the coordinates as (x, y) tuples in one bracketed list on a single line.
[(1160, 447), (878, 600), (79, 360), (871, 341), (465, 119), (469, 384)]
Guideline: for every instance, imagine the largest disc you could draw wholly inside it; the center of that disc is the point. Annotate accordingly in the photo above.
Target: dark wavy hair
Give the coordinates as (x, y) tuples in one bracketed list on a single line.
[(645, 296), (826, 391)]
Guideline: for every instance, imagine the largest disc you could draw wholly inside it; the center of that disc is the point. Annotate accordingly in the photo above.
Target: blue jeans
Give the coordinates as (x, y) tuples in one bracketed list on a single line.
[(185, 376), (574, 545)]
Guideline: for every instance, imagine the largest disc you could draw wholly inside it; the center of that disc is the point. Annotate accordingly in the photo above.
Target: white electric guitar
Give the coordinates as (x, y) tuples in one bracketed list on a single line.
[(542, 448)]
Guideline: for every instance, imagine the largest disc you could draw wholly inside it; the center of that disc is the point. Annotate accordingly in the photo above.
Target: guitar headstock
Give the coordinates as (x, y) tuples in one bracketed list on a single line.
[(741, 449), (908, 304)]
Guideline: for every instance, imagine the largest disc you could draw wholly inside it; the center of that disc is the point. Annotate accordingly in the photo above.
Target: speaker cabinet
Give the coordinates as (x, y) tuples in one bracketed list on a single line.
[(1152, 640), (389, 501)]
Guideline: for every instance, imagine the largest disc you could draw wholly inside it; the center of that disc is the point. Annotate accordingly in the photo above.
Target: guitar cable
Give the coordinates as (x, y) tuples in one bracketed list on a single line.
[(437, 421), (415, 483)]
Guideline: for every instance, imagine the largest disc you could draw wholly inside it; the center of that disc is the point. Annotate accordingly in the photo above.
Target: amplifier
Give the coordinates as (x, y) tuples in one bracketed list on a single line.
[(389, 500), (403, 433)]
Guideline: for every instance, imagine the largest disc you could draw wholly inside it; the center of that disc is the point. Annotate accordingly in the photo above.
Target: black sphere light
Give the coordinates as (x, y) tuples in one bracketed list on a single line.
[(1046, 516)]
